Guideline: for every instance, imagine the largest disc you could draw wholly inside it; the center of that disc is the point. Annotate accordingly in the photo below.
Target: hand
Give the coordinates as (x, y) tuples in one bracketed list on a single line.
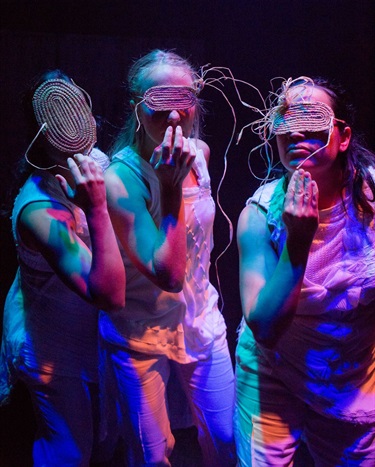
[(173, 158), (301, 215), (89, 191)]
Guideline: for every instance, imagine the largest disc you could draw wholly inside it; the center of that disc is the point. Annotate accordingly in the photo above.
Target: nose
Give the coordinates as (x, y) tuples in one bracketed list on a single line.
[(296, 135), (174, 117)]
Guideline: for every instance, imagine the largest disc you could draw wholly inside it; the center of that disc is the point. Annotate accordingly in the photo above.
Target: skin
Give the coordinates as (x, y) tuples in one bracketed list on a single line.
[(270, 285), (159, 252), (98, 276)]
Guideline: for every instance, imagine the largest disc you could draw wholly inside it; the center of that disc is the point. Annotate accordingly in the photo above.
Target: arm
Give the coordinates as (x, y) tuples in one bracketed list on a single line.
[(158, 252), (48, 227), (269, 285)]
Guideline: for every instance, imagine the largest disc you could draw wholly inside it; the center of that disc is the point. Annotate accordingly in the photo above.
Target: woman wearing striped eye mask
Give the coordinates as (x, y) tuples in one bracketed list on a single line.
[(305, 365), (161, 207)]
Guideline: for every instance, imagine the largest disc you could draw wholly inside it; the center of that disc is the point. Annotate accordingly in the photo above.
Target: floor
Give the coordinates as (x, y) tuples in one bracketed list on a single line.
[(17, 428)]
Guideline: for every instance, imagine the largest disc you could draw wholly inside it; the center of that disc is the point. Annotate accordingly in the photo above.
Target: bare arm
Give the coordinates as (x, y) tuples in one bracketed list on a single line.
[(48, 227), (159, 252), (270, 285)]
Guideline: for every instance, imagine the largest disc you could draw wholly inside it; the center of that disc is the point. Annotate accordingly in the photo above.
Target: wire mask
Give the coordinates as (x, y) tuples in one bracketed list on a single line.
[(64, 117)]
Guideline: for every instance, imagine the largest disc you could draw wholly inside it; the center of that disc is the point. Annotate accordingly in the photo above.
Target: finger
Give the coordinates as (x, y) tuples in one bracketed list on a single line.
[(292, 186), (74, 169), (166, 145), (89, 168), (85, 163), (79, 157), (156, 156), (178, 143), (299, 187), (315, 195), (64, 186), (308, 189), (188, 153)]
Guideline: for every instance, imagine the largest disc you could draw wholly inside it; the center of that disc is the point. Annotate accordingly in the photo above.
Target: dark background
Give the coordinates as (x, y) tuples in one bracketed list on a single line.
[(95, 41)]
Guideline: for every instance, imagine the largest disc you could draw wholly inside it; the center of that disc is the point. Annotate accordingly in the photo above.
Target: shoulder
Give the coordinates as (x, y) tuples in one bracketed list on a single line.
[(252, 220), (203, 146), (264, 194), (125, 187), (40, 220), (41, 197)]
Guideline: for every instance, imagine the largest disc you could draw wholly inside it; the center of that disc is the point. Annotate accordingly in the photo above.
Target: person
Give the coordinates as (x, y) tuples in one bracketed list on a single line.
[(159, 198), (69, 267), (305, 363)]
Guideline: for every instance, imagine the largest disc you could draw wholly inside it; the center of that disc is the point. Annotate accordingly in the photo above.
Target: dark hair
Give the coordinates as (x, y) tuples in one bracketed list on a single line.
[(37, 152), (357, 158), (140, 69)]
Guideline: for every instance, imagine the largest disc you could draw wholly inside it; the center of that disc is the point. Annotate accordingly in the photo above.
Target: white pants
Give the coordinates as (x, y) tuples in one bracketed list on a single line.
[(270, 421), (65, 409), (138, 393)]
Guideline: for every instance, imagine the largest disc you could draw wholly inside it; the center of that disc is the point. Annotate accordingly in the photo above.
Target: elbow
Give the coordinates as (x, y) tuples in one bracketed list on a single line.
[(263, 334), (112, 300), (119, 304), (172, 285), (176, 287), (170, 282), (114, 305)]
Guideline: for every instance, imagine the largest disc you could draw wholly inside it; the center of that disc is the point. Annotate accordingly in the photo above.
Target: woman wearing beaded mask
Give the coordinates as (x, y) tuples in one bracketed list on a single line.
[(161, 207), (305, 357), (69, 267)]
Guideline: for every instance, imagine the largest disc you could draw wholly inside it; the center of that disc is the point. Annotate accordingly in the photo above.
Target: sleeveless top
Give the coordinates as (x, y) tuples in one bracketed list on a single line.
[(326, 356), (182, 326), (48, 328)]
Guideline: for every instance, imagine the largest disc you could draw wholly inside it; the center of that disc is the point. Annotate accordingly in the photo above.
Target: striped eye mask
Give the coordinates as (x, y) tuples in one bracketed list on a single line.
[(303, 116), (162, 98)]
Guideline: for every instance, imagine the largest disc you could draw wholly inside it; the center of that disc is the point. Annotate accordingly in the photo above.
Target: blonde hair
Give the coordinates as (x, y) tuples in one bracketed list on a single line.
[(138, 72)]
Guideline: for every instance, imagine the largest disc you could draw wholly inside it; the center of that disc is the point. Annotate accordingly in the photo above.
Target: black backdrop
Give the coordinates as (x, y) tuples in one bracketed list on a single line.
[(94, 41)]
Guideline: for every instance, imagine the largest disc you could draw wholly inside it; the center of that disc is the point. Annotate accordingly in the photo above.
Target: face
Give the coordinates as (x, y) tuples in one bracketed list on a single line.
[(156, 122), (296, 146)]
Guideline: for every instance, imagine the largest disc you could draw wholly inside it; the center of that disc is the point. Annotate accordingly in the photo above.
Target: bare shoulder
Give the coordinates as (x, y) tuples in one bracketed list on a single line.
[(205, 148), (39, 221), (252, 224)]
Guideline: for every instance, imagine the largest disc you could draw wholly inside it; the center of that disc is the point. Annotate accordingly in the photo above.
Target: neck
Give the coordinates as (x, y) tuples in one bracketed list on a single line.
[(144, 148), (329, 196), (330, 187)]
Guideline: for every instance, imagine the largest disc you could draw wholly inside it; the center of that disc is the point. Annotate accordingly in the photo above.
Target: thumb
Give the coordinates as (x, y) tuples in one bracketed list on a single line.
[(64, 186)]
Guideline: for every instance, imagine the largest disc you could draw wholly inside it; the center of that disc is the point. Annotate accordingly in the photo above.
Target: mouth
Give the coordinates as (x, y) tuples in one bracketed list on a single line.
[(299, 151)]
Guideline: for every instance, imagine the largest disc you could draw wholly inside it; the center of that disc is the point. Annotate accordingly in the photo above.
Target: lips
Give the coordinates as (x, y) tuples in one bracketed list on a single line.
[(299, 149)]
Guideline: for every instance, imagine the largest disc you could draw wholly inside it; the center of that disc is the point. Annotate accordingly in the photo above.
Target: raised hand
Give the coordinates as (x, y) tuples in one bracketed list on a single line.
[(173, 158), (89, 190), (301, 215)]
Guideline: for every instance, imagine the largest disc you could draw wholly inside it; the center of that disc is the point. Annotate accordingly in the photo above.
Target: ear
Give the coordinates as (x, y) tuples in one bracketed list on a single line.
[(345, 139), (132, 103)]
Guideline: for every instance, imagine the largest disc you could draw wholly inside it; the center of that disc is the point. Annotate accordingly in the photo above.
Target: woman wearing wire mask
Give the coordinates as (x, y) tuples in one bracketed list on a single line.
[(160, 202), (305, 356), (69, 267)]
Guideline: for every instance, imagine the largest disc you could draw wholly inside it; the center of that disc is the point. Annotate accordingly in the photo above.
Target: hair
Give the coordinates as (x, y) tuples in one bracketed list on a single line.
[(357, 158), (141, 69), (37, 152)]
